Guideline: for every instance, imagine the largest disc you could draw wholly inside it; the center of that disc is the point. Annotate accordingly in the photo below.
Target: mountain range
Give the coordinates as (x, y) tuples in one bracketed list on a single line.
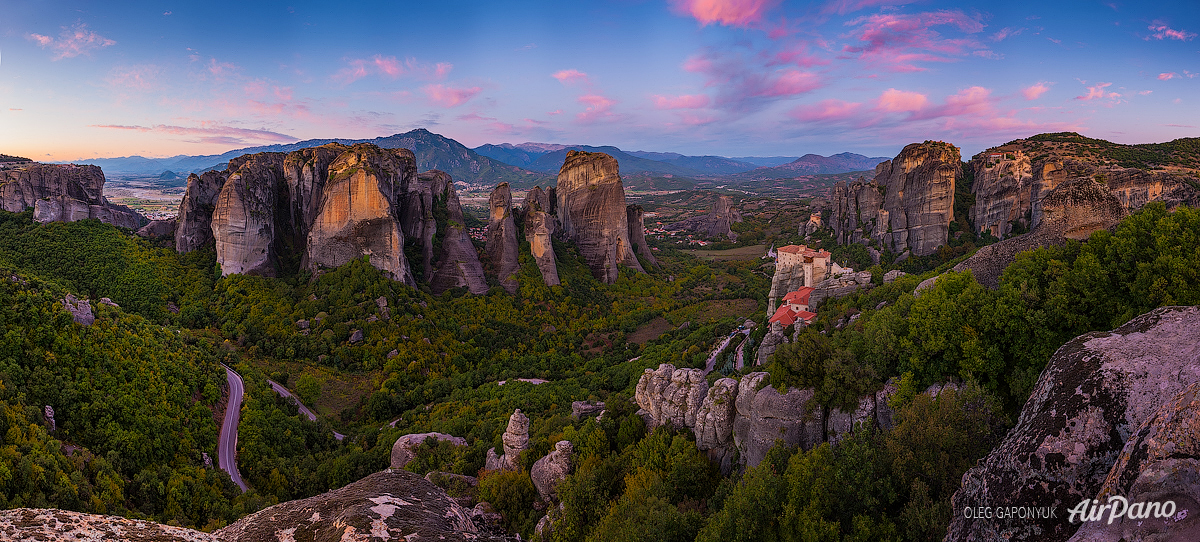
[(522, 165)]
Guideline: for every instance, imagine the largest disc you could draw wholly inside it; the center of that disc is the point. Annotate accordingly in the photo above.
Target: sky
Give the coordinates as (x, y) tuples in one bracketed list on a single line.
[(84, 79)]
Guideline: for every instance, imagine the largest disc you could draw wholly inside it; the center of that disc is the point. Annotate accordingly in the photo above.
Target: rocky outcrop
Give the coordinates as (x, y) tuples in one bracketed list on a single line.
[(540, 226), (515, 439), (359, 211), (551, 470), (715, 224), (637, 233), (404, 449), (193, 224), (1160, 463), (1073, 210), (450, 258), (586, 409), (80, 309), (745, 418), (501, 245), (62, 193), (1090, 401), (243, 220), (592, 213), (907, 206), (157, 228), (839, 285), (51, 525), (389, 505)]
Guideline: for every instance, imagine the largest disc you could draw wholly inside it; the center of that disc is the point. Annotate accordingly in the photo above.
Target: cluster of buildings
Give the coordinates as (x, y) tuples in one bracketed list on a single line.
[(794, 308), (798, 269)]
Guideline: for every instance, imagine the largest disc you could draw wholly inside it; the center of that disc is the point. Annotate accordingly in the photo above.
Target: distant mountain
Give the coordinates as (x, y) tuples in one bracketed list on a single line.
[(811, 164), (713, 165), (765, 161), (433, 151), (548, 158)]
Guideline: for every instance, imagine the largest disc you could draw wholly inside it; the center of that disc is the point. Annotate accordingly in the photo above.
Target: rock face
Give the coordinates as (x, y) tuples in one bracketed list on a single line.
[(839, 285), (403, 450), (52, 525), (321, 207), (1160, 463), (80, 309), (551, 470), (1093, 399), (637, 233), (502, 238), (389, 505), (540, 224), (1073, 210), (592, 213), (451, 248), (62, 193), (907, 206), (157, 228), (716, 223), (193, 224), (516, 440), (744, 418)]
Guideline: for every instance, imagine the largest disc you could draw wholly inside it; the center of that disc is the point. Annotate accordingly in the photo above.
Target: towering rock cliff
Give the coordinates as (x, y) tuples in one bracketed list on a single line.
[(62, 193), (592, 213), (907, 206), (637, 233), (243, 219), (540, 224), (323, 206), (501, 244), (359, 210), (716, 223), (1088, 404)]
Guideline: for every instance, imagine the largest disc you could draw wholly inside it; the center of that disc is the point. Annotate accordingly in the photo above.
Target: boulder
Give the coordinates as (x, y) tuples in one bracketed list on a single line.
[(403, 450), (540, 225), (80, 309), (592, 213), (671, 396), (157, 228), (52, 525), (501, 244), (551, 470), (1094, 395), (586, 409)]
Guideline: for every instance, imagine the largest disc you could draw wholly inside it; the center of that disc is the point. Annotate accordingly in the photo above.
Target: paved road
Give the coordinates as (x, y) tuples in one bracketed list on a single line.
[(227, 445), (311, 415), (711, 365)]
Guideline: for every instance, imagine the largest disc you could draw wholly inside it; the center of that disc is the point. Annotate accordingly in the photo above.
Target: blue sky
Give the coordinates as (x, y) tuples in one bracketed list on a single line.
[(726, 77)]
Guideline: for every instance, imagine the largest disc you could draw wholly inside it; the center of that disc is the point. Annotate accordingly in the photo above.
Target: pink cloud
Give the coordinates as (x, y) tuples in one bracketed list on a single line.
[(355, 71), (392, 68), (389, 66), (741, 13), (827, 111), (898, 100), (1144, 92), (1162, 32), (209, 132), (970, 102), (1167, 76), (842, 7), (446, 96), (142, 77), (72, 42), (1005, 33), (791, 82), (1096, 92), (567, 77), (746, 83), (896, 41), (221, 69), (1035, 91), (687, 101), (597, 107)]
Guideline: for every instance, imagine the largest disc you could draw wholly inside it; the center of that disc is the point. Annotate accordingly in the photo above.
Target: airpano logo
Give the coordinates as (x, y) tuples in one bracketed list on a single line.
[(1118, 507)]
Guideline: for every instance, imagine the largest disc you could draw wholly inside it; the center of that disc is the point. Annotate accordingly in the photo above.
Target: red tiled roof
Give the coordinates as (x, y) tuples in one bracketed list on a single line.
[(786, 316), (793, 249), (799, 297)]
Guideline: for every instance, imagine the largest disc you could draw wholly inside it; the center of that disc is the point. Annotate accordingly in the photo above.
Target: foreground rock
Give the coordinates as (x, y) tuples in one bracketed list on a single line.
[(716, 223), (502, 238), (62, 193), (551, 470), (1160, 463), (51, 525), (1092, 398), (907, 206), (389, 505), (592, 213)]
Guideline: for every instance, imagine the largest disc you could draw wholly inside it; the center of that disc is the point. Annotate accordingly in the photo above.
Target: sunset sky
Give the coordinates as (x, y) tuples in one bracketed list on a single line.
[(725, 77)]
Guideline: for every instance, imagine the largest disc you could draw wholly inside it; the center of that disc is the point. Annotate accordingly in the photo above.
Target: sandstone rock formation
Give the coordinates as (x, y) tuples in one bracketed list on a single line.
[(157, 228), (457, 262), (540, 225), (592, 213), (243, 220), (80, 309), (1159, 463), (907, 206), (586, 409), (1089, 402), (193, 224), (306, 171), (62, 193), (389, 505), (515, 439), (716, 223), (637, 233), (839, 285), (501, 245), (404, 450), (744, 418), (551, 470)]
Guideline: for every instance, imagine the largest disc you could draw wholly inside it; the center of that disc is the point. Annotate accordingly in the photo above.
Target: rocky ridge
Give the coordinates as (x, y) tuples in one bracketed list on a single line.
[(501, 245)]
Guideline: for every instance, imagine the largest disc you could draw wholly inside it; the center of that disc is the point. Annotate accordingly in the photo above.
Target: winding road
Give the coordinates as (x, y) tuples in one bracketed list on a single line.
[(305, 410), (227, 444)]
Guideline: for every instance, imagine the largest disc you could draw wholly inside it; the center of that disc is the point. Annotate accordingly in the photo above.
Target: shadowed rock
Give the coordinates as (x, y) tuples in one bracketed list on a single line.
[(432, 212), (592, 213), (193, 224), (404, 449), (540, 225), (716, 223), (243, 220), (501, 244), (157, 228), (551, 470), (62, 193), (637, 233)]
